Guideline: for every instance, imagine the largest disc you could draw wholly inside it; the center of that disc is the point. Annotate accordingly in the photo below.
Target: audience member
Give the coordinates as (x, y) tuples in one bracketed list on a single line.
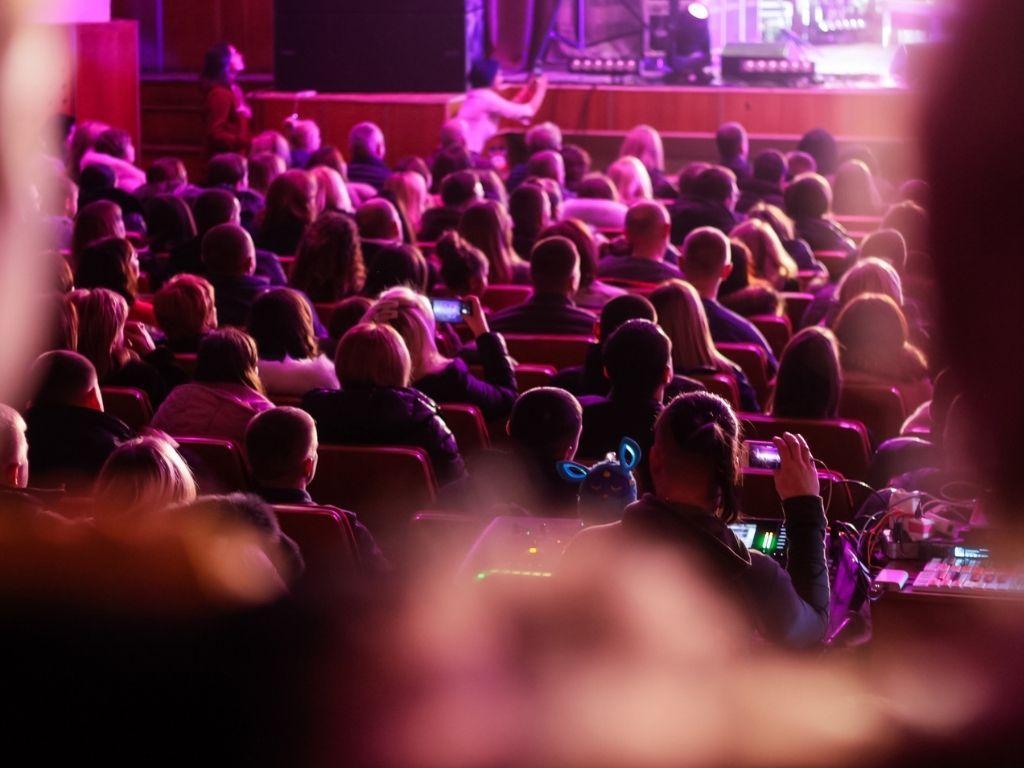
[(375, 405), (648, 228), (225, 395), (169, 225), (329, 263), (290, 209), (488, 226), (95, 221), (592, 293), (868, 275), (820, 145), (408, 191), (709, 202), (854, 191), (464, 268), (798, 163), (69, 435), (577, 165), (186, 312), (459, 190), (347, 314), (705, 264), (114, 263), (733, 146), (596, 203), (887, 245), (743, 291), (396, 265), (765, 184), (114, 150), (555, 274), (798, 249), (140, 481), (631, 180), (809, 203), (530, 211), (304, 136), (229, 260), (644, 143), (911, 221), (366, 152), (770, 259), (264, 167), (230, 171), (810, 378)]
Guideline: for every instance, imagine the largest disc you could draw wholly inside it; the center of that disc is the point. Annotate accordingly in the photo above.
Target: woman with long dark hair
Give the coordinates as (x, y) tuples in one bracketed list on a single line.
[(227, 114)]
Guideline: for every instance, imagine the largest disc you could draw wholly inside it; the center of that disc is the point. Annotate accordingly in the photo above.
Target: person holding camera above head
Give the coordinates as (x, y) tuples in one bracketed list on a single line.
[(695, 467)]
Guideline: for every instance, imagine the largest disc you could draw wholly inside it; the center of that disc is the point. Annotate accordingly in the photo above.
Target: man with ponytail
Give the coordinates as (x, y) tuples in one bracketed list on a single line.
[(695, 468)]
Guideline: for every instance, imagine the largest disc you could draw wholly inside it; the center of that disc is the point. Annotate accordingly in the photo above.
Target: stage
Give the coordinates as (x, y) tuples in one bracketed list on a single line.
[(597, 115)]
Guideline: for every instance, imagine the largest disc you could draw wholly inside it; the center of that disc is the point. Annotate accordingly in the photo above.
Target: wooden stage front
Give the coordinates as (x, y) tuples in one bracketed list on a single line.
[(597, 116)]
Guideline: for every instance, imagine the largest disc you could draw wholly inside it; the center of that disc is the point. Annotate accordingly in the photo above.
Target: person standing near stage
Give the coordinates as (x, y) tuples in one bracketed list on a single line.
[(484, 106), (226, 111)]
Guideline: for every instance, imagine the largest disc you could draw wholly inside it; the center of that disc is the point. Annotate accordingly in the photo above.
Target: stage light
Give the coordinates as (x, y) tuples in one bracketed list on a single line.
[(698, 11), (604, 66), (766, 62)]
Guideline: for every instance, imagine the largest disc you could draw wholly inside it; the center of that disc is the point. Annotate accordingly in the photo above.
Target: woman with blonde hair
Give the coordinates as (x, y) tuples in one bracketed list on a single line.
[(440, 378), (631, 179), (681, 315), (141, 479), (375, 405), (408, 191), (331, 193), (854, 192), (644, 143), (868, 275), (488, 226), (769, 257)]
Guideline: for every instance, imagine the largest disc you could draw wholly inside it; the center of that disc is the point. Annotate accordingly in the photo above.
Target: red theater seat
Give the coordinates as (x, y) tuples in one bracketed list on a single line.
[(754, 361), (836, 262), (544, 349), (775, 329), (796, 304), (217, 464), (842, 445), (187, 362), (499, 297), (128, 404), (324, 536), (721, 384), (878, 407), (528, 375), (468, 425)]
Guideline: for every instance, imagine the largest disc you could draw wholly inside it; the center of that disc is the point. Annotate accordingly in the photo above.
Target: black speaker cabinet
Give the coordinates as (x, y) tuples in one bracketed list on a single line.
[(376, 46)]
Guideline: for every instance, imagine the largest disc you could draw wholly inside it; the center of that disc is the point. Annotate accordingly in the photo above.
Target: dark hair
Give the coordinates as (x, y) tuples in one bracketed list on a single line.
[(544, 421), (586, 246), (347, 314), (327, 156), (329, 263), (277, 442), (213, 207), (396, 265), (729, 140), (166, 169), (577, 164), (742, 268), (911, 221), (169, 223), (63, 316), (227, 249), (458, 188), (546, 164), (61, 377), (114, 142), (226, 169), (551, 264), (808, 197), (290, 208), (621, 309), (281, 324), (916, 191), (448, 161), (415, 164), (106, 264), (888, 245), (228, 356), (635, 356), (526, 207), (461, 262), (819, 144), (715, 183), (701, 427), (770, 165), (875, 340), (217, 65), (483, 73), (96, 221), (810, 377), (597, 186), (854, 192), (689, 175)]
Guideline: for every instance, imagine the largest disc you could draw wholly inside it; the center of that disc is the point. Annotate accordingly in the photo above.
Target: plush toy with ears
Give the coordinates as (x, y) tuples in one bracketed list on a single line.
[(606, 488)]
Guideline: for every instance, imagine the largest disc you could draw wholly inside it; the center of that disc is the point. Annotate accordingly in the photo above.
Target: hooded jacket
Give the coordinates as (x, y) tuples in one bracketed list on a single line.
[(787, 606), (221, 411)]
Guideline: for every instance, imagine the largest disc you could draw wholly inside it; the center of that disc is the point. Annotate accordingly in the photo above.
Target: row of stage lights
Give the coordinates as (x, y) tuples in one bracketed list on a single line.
[(777, 66), (604, 66), (842, 25)]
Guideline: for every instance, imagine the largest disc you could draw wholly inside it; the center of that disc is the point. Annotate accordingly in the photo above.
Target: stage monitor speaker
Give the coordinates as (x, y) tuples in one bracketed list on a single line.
[(376, 46)]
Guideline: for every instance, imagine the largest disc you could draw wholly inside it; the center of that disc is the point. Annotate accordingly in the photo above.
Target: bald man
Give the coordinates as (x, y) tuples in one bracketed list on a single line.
[(648, 228)]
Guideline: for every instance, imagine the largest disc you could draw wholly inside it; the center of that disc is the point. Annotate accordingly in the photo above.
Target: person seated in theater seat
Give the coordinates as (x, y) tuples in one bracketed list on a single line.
[(291, 364), (225, 394), (743, 291), (230, 171), (229, 260), (631, 180), (810, 378), (332, 194), (821, 146), (140, 480), (798, 249), (440, 378), (765, 183), (114, 149), (681, 315), (555, 274), (264, 167), (638, 361), (798, 163), (113, 263), (487, 225), (590, 378), (648, 227), (733, 146), (305, 138), (408, 191), (459, 190), (464, 268), (96, 182), (366, 150), (769, 258), (709, 202), (380, 226), (348, 313), (596, 203), (876, 348), (530, 209), (484, 106), (169, 225), (543, 428), (868, 275), (69, 435), (911, 221), (290, 208), (538, 138), (186, 312), (577, 165), (226, 112), (281, 449), (17, 501), (592, 293), (809, 203), (329, 264), (695, 466), (166, 176), (705, 263), (644, 143), (214, 207), (123, 353), (855, 191), (95, 221), (397, 265), (376, 406)]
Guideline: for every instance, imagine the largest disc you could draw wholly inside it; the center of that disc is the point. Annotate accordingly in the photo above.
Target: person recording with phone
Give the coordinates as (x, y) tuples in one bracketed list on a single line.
[(484, 106), (695, 464), (440, 378)]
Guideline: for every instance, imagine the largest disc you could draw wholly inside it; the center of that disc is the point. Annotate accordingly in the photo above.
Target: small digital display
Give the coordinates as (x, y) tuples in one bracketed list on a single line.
[(762, 455), (765, 536), (970, 553), (449, 310)]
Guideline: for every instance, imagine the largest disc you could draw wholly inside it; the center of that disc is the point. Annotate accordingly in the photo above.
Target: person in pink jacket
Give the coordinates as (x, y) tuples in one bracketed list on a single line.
[(225, 395)]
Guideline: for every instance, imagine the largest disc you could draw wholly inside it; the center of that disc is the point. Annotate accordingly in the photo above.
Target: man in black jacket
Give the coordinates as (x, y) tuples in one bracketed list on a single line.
[(229, 258), (366, 156), (765, 186), (693, 464), (459, 190), (69, 435), (711, 203)]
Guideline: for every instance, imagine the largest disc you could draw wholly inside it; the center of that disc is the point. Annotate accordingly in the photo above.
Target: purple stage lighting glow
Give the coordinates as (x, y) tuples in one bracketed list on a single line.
[(698, 11)]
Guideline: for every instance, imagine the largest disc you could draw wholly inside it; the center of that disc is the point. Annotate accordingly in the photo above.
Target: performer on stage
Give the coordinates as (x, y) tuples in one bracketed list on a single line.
[(484, 106), (227, 114)]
